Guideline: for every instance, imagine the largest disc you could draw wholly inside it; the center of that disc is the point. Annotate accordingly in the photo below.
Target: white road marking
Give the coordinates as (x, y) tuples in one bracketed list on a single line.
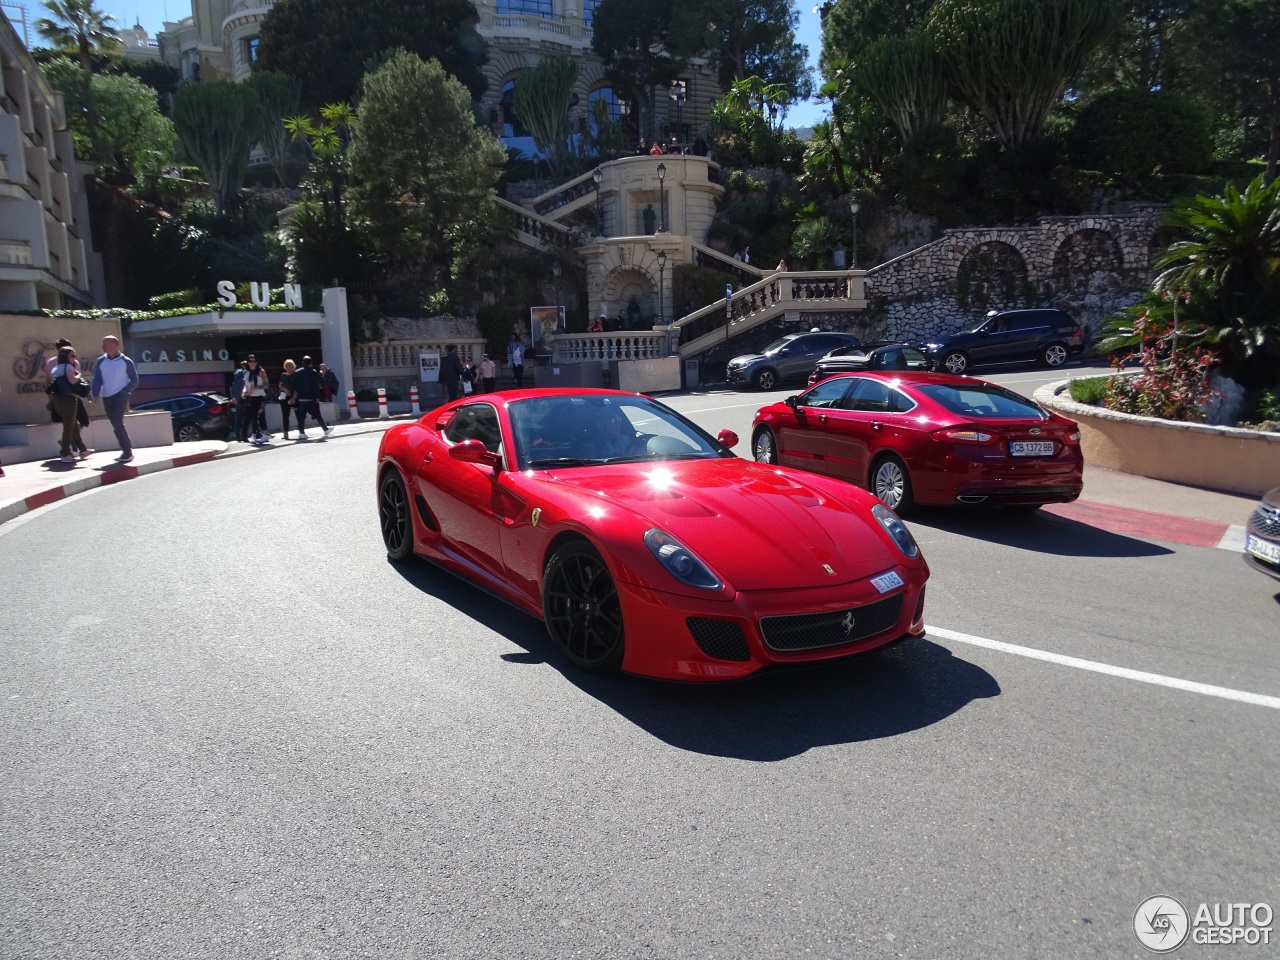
[(1141, 676), (1233, 539)]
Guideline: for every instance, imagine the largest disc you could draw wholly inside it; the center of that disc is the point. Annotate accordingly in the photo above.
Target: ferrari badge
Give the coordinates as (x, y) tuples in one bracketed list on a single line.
[(536, 516)]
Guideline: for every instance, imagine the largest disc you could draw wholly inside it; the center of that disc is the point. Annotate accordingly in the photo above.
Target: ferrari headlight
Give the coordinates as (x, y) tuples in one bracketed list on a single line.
[(896, 529), (679, 561)]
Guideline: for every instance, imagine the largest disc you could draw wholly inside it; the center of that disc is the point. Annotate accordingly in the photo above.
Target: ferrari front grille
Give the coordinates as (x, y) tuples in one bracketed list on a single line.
[(812, 631), (721, 639)]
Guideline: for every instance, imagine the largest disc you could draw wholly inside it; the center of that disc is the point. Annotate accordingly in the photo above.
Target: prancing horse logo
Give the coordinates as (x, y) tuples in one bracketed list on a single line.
[(847, 623)]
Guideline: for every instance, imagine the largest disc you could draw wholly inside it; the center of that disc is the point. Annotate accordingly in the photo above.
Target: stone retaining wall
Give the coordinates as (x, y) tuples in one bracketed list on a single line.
[(1216, 458)]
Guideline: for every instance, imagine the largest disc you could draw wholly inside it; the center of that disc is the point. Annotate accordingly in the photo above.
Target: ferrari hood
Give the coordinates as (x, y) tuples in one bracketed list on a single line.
[(759, 527)]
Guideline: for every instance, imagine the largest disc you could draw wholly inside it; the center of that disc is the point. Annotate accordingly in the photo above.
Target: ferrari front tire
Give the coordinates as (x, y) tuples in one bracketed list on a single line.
[(581, 607), (393, 516)]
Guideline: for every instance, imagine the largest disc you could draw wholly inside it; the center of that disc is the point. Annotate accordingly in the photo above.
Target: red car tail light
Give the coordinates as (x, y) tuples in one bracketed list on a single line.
[(216, 410), (1072, 437), (963, 435)]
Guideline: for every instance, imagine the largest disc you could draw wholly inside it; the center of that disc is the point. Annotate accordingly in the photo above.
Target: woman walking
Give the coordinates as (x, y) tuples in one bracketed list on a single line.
[(255, 394), (65, 373), (288, 398)]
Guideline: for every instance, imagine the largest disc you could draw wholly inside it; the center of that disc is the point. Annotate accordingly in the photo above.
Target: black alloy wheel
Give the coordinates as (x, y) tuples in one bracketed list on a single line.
[(892, 485), (187, 433), (766, 379), (581, 607), (764, 448), (955, 362), (393, 516)]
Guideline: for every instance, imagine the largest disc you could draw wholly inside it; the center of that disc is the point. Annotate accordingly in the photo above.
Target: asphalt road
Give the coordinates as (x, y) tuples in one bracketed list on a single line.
[(230, 728)]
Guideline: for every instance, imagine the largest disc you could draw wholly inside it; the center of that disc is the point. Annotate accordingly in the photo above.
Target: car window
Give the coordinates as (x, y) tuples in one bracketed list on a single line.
[(778, 344), (475, 421), (871, 396), (980, 400), (185, 405), (891, 358), (828, 393), (1028, 321)]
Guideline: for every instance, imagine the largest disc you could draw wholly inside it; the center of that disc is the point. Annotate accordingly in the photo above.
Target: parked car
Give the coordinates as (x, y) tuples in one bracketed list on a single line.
[(644, 544), (931, 438), (196, 416), (879, 355), (1008, 336), (1262, 536), (788, 358)]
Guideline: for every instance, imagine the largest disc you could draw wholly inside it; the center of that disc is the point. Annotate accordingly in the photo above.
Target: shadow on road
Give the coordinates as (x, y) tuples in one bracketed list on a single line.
[(1036, 531), (772, 716)]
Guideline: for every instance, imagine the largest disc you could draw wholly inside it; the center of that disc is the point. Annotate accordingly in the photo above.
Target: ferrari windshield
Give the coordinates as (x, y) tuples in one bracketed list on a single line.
[(592, 429)]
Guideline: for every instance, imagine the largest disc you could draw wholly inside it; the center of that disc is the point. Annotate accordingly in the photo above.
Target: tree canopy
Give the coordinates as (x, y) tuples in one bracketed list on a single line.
[(755, 38), (218, 125), (644, 46), (327, 43), (542, 98), (423, 170)]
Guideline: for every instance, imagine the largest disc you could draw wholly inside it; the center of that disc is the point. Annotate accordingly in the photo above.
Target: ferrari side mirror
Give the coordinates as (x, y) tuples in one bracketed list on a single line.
[(473, 451), (728, 438)]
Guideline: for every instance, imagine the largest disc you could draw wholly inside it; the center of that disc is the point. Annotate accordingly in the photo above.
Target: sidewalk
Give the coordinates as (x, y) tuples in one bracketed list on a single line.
[(28, 486), (1117, 502)]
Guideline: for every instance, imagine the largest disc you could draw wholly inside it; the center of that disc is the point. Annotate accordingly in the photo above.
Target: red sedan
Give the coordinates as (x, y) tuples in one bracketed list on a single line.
[(642, 541), (924, 438)]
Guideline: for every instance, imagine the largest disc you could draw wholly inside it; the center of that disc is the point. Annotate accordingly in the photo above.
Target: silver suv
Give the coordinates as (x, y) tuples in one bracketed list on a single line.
[(792, 357)]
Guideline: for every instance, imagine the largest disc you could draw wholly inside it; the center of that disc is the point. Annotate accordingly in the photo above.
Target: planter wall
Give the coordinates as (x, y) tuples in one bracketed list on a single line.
[(1217, 458)]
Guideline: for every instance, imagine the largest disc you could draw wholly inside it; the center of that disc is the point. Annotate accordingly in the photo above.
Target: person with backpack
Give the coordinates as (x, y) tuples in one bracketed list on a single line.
[(66, 374)]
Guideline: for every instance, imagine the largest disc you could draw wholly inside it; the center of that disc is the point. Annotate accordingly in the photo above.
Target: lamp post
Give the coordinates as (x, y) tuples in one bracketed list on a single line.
[(598, 176), (662, 195), (662, 271), (678, 95), (853, 210)]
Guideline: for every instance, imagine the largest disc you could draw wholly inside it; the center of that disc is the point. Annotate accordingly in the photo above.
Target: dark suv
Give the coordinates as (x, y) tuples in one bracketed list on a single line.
[(1007, 336), (792, 357)]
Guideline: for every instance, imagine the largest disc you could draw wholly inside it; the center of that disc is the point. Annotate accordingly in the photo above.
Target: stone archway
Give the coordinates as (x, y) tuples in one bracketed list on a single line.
[(1082, 255), (621, 288), (990, 275)]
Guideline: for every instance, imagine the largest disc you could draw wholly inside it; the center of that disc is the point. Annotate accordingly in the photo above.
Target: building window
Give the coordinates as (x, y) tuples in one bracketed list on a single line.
[(589, 11), (251, 49), (511, 125), (536, 8)]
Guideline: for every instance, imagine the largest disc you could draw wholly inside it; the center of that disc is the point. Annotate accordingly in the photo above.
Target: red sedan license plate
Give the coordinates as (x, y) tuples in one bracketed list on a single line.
[(1031, 448)]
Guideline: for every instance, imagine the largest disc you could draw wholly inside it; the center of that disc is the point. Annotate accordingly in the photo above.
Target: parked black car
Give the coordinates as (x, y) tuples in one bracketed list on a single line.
[(788, 358), (1008, 336), (876, 355), (1262, 535), (196, 416)]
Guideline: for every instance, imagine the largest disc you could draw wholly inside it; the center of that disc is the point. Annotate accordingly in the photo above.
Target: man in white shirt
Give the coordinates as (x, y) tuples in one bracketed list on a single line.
[(114, 378)]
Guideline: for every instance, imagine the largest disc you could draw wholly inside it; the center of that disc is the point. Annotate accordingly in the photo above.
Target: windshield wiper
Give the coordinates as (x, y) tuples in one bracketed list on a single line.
[(562, 462)]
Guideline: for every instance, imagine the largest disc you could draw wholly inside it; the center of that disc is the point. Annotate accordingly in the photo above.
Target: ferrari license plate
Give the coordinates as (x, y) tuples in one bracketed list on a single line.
[(1031, 448), (887, 581), (1261, 549)]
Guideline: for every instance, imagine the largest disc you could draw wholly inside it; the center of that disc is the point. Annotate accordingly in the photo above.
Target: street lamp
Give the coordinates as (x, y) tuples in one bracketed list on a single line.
[(678, 95), (662, 270), (853, 209), (598, 176), (662, 195)]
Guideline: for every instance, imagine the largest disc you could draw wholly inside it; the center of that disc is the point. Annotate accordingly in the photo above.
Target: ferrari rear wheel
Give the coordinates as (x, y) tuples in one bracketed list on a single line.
[(581, 606), (764, 448), (889, 482), (393, 516)]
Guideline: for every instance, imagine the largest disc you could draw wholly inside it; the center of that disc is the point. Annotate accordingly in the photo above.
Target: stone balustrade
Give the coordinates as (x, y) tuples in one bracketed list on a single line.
[(598, 347), (394, 359)]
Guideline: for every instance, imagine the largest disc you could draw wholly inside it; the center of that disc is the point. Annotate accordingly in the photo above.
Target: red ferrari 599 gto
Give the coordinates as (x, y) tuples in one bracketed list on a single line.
[(644, 543)]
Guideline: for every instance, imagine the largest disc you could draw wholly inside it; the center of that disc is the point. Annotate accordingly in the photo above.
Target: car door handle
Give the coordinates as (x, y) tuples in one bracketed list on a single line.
[(822, 418), (875, 425), (426, 457)]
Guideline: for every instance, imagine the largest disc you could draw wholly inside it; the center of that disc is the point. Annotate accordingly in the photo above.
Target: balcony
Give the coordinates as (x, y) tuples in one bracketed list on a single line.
[(15, 253)]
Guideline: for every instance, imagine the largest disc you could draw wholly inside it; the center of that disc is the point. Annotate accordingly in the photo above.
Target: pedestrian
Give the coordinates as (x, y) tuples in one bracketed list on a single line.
[(329, 380), (597, 325), (65, 373), (656, 150), (287, 398), (114, 378), (469, 378), (488, 373), (515, 358), (450, 375), (237, 388), (53, 361), (82, 415), (254, 396), (307, 385)]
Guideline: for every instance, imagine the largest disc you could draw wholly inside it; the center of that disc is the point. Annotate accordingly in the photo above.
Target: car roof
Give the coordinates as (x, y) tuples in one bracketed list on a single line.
[(909, 377)]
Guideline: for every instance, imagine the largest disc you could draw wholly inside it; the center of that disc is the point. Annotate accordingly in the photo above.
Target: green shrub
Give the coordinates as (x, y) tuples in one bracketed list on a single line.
[(1135, 133), (179, 298), (1090, 390)]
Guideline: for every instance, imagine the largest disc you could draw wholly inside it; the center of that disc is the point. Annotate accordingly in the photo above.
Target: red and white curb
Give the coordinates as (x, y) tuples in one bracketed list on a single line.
[(110, 475), (1131, 522)]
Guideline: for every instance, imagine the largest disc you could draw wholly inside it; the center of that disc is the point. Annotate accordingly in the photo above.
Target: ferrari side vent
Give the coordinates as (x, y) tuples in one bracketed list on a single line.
[(425, 515), (721, 639)]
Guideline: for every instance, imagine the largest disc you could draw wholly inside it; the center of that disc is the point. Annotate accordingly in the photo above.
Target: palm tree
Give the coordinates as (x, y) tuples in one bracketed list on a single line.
[(80, 25)]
